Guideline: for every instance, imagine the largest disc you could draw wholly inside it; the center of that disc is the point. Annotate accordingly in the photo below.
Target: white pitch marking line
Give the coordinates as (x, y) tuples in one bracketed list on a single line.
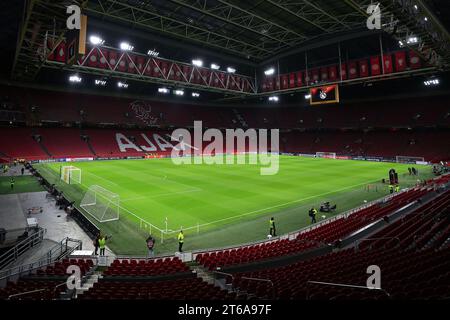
[(109, 181), (160, 195)]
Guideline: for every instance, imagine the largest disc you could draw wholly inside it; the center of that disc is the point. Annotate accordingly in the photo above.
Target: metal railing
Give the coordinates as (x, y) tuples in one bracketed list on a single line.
[(53, 290), (60, 251), (344, 286), (358, 242), (20, 248)]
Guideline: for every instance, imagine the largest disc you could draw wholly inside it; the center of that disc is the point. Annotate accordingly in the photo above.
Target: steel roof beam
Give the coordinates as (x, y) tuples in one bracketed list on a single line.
[(156, 21)]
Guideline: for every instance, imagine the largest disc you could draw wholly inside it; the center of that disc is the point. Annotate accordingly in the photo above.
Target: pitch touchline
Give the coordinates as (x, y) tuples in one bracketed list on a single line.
[(278, 205)]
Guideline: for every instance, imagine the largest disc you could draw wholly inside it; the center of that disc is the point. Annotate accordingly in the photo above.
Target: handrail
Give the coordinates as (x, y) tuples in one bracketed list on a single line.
[(342, 285), (12, 254), (37, 290), (225, 274), (50, 258), (258, 279), (358, 242)]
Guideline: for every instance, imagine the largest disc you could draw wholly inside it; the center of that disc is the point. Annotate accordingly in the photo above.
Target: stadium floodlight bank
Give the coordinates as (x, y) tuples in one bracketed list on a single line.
[(70, 174), (101, 204), (327, 155), (411, 160)]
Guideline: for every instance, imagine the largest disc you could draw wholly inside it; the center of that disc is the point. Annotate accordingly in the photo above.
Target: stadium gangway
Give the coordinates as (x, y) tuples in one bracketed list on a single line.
[(343, 286)]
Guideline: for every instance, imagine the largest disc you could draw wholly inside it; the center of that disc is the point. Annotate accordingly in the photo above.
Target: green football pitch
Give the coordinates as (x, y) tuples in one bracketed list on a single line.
[(221, 205)]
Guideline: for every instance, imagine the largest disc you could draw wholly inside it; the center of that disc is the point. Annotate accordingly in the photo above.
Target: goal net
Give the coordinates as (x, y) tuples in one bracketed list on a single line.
[(71, 174), (101, 204), (412, 160), (328, 155)]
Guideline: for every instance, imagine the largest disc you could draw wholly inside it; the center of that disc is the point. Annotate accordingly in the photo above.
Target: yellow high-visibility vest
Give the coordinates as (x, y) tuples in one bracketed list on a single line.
[(102, 243), (180, 237)]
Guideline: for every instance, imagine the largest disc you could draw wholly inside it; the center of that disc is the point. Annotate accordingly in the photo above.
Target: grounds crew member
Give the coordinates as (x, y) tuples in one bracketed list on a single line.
[(150, 246), (391, 188), (272, 230), (180, 241), (312, 214), (102, 244)]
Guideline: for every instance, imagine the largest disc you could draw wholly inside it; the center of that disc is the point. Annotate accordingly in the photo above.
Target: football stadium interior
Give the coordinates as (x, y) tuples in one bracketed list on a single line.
[(225, 150)]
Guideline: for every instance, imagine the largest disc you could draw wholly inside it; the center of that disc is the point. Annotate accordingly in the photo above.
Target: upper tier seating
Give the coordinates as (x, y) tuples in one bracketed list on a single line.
[(75, 107), (67, 142)]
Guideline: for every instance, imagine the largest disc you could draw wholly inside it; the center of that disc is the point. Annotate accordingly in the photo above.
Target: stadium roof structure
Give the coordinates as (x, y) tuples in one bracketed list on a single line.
[(253, 32)]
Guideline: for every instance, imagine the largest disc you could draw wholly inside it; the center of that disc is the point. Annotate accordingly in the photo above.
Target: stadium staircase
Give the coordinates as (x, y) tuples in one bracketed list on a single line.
[(44, 148)]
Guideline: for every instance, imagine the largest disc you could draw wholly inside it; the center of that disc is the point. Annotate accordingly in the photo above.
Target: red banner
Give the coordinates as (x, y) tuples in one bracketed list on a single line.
[(223, 80), (344, 71), (164, 68), (352, 70), (332, 73), (308, 79), (388, 67), (60, 52), (324, 74), (93, 58), (299, 76), (140, 63), (177, 70), (315, 75), (156, 66), (414, 60), (131, 61), (400, 61), (123, 65), (363, 68), (112, 58), (103, 58), (292, 80), (375, 66), (187, 72), (264, 86), (284, 81)]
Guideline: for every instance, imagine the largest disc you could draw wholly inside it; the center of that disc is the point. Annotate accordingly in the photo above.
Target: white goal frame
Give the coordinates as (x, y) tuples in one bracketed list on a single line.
[(102, 204), (327, 155), (408, 159), (70, 174)]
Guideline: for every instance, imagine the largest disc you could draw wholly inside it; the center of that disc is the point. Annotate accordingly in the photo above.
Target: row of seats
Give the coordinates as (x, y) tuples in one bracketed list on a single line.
[(60, 267), (146, 268), (324, 234), (181, 289)]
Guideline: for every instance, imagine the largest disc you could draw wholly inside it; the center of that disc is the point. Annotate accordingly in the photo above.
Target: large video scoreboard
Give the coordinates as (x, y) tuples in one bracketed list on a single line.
[(324, 95)]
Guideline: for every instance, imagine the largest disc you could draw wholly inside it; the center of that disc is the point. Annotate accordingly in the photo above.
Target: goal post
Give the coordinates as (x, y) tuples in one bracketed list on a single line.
[(327, 155), (408, 159), (70, 174), (101, 204)]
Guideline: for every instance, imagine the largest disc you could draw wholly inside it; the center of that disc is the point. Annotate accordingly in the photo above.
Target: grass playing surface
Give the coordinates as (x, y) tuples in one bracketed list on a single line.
[(221, 205), (22, 184)]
